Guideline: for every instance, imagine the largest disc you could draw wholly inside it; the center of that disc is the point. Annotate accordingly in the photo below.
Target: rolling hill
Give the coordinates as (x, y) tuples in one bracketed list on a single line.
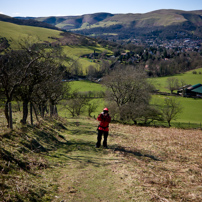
[(30, 21), (164, 23), (74, 45)]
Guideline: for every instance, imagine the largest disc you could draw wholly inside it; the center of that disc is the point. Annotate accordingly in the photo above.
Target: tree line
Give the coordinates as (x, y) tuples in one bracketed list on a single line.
[(31, 74)]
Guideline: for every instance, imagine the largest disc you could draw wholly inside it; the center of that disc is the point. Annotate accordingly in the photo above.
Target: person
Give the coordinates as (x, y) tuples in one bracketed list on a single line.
[(103, 128)]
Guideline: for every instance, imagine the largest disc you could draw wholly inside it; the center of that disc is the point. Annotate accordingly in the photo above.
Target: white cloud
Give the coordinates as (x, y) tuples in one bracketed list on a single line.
[(1, 12)]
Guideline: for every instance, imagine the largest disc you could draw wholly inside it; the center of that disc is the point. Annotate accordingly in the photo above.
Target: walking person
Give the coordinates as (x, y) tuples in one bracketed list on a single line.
[(103, 128)]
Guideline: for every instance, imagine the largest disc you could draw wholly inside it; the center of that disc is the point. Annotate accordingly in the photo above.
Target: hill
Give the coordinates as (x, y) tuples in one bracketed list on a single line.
[(26, 21), (14, 32), (73, 45), (72, 22), (57, 161), (160, 23)]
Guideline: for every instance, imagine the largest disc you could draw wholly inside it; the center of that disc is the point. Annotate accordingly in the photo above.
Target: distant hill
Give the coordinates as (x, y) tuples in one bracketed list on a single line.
[(30, 21), (13, 32), (165, 23), (74, 22)]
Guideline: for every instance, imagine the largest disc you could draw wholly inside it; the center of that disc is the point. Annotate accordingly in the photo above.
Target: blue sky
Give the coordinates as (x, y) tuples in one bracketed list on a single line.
[(36, 8)]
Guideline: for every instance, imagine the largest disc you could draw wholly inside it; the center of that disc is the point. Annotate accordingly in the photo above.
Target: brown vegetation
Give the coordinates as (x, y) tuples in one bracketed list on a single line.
[(165, 162)]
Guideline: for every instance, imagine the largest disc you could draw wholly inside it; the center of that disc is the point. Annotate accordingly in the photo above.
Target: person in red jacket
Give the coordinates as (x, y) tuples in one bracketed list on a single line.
[(103, 128)]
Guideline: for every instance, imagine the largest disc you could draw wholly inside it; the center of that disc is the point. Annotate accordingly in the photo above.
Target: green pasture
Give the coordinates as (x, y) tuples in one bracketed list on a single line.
[(16, 32), (191, 112), (81, 50), (188, 77), (75, 52), (84, 86), (191, 108)]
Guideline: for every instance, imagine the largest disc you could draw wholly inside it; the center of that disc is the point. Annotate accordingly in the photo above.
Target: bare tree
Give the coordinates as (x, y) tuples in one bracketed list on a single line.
[(129, 90), (171, 109), (76, 103), (92, 106), (172, 84)]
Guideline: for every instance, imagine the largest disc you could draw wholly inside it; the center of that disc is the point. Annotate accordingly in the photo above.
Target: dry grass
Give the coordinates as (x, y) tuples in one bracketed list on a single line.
[(165, 162), (141, 164)]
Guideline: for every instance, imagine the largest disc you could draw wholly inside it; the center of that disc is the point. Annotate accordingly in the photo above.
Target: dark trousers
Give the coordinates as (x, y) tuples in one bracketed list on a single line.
[(99, 138)]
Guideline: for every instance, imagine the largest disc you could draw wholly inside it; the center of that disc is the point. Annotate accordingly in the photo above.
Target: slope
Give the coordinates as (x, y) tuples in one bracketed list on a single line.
[(187, 21), (57, 161), (30, 21), (15, 32), (72, 22)]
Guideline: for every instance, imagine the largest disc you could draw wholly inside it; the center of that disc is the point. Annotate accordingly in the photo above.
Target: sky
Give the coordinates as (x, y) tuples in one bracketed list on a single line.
[(45, 8)]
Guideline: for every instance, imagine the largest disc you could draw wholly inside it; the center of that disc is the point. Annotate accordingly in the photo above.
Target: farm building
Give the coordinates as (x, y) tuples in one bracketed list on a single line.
[(191, 91)]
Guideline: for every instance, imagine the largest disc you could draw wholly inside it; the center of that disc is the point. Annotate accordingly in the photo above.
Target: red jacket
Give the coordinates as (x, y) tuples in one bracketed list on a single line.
[(104, 122)]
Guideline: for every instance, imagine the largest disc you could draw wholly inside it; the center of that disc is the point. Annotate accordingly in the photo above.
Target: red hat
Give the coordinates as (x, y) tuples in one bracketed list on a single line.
[(105, 109)]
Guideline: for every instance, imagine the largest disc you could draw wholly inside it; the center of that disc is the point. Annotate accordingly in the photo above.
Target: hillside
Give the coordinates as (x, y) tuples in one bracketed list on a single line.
[(160, 23), (14, 32), (73, 45), (72, 22), (26, 21), (57, 161)]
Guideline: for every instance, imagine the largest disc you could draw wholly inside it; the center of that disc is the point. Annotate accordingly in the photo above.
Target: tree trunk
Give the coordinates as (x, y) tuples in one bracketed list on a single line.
[(55, 110), (51, 110), (10, 116), (42, 110), (31, 116), (25, 112), (35, 111), (6, 112)]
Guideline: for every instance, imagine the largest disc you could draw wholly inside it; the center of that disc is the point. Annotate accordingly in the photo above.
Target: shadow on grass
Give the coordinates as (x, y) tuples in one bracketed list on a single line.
[(125, 151)]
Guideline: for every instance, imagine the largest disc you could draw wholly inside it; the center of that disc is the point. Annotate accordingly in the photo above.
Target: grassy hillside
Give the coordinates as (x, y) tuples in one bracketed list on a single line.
[(70, 42), (71, 22), (159, 23), (76, 51), (16, 32), (155, 18), (57, 161)]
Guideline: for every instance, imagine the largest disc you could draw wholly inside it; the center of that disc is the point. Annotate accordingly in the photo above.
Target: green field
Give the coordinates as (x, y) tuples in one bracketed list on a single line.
[(16, 32), (84, 86), (191, 112), (188, 77), (75, 52), (191, 108)]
